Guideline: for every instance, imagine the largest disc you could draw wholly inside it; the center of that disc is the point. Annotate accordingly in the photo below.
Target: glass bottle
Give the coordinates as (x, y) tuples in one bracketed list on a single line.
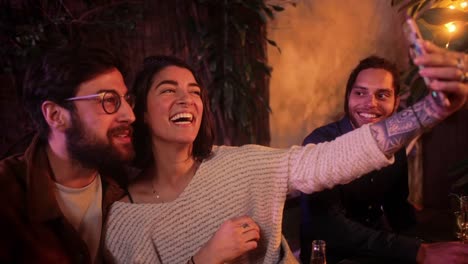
[(318, 255)]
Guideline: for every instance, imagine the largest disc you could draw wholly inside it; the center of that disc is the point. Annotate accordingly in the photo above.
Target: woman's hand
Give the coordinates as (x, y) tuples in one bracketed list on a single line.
[(234, 238), (447, 71)]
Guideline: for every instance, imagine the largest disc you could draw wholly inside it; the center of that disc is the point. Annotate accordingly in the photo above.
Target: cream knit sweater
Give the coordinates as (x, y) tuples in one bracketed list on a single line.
[(249, 180)]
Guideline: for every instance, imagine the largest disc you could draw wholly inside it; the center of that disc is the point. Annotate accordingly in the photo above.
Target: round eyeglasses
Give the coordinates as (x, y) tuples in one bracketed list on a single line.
[(110, 100)]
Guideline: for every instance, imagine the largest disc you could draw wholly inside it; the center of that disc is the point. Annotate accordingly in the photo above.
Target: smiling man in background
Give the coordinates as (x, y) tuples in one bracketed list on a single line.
[(360, 221)]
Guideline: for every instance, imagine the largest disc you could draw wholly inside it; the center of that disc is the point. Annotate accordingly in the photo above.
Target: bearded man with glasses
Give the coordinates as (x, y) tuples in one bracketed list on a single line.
[(55, 196)]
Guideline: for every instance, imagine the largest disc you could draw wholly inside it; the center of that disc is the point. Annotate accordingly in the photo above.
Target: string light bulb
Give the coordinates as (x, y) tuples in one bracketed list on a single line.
[(451, 27)]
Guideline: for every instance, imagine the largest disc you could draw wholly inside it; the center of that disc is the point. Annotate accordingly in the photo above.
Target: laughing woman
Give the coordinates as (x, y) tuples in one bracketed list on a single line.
[(198, 203)]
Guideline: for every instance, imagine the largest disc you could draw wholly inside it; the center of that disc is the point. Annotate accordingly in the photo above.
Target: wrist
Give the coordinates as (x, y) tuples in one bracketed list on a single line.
[(439, 103), (429, 113), (205, 255)]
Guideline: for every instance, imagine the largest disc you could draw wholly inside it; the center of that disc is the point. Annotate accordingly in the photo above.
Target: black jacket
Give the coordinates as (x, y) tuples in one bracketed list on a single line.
[(358, 218), (33, 228)]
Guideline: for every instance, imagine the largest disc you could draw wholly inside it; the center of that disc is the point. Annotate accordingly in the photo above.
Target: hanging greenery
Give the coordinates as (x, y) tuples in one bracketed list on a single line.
[(226, 38), (232, 47), (29, 27)]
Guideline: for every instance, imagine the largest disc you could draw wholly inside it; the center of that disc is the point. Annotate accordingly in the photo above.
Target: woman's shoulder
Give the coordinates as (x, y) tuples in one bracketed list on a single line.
[(247, 147)]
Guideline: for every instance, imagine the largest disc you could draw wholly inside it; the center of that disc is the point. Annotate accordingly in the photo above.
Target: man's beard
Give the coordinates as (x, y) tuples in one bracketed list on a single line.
[(94, 153)]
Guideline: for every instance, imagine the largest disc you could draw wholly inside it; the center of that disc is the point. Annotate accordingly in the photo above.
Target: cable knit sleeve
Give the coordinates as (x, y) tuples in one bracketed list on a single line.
[(316, 167)]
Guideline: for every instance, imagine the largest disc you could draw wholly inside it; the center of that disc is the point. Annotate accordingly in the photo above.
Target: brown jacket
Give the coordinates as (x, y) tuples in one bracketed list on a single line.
[(32, 226)]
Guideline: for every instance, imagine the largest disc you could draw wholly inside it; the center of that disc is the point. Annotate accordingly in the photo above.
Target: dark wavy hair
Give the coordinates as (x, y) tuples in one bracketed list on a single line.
[(57, 76), (152, 65), (372, 62)]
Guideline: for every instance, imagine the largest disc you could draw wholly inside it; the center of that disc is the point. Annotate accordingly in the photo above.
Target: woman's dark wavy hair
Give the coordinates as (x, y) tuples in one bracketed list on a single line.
[(142, 139), (372, 62)]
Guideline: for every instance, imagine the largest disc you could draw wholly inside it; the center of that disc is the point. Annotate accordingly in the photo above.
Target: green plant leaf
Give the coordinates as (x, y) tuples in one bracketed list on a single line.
[(212, 66), (192, 25), (228, 99), (408, 5), (460, 166), (208, 42), (423, 6), (410, 74), (418, 89), (228, 62), (269, 12), (439, 16), (262, 67), (240, 30), (273, 43), (426, 32), (248, 72), (277, 8), (255, 7)]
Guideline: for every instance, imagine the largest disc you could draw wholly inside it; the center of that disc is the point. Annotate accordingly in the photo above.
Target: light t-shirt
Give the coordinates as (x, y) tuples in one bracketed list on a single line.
[(83, 209)]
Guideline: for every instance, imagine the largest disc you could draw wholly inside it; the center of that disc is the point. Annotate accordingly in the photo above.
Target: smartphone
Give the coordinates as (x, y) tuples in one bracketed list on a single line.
[(414, 37)]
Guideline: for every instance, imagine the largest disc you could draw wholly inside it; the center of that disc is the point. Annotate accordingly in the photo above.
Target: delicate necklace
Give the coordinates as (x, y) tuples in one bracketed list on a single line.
[(155, 193), (153, 190)]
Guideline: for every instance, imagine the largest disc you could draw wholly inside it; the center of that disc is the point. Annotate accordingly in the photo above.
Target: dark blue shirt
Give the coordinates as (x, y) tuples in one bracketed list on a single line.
[(358, 218)]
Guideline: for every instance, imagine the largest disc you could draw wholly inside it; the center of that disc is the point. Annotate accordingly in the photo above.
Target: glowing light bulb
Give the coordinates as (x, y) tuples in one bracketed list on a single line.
[(463, 4), (451, 6), (451, 27)]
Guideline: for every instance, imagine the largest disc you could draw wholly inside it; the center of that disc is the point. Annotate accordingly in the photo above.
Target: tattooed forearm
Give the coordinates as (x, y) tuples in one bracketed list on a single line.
[(396, 131)]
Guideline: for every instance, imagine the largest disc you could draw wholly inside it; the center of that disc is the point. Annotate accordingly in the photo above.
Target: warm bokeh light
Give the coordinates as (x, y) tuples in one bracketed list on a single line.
[(451, 27), (452, 7), (463, 4)]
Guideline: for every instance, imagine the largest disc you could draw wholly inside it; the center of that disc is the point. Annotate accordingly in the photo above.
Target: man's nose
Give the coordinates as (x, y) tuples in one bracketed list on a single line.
[(126, 112), (371, 101)]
